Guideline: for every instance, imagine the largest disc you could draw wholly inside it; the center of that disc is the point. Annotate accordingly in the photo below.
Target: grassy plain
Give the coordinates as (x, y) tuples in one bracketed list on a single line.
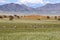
[(19, 29)]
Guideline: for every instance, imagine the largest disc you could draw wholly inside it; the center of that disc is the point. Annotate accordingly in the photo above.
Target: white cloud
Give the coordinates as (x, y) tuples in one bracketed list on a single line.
[(2, 1), (30, 1)]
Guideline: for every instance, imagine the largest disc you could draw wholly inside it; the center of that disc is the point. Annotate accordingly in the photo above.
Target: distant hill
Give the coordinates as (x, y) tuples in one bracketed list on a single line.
[(15, 8), (50, 8), (46, 9)]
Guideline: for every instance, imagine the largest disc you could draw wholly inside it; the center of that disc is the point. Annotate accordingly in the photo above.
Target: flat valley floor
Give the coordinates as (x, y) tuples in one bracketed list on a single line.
[(29, 29)]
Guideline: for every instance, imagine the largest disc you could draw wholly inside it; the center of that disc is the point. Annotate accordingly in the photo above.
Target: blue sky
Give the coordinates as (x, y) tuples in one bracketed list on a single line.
[(31, 3)]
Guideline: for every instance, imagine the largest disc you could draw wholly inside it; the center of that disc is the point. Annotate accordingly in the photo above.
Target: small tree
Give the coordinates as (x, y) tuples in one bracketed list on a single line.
[(11, 17), (48, 17), (58, 18), (38, 19), (18, 17), (15, 15), (1, 17), (55, 17), (4, 16)]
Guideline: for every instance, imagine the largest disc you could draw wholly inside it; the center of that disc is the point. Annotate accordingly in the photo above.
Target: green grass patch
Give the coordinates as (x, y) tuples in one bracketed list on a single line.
[(29, 30)]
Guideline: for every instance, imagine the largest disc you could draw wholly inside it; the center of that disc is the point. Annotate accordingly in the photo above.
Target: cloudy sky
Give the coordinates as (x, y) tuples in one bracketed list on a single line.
[(31, 3)]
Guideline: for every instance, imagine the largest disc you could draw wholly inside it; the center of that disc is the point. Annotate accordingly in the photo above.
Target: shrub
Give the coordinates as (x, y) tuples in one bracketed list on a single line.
[(11, 17), (1, 17), (48, 17), (18, 17), (4, 16), (38, 19), (55, 17), (58, 18)]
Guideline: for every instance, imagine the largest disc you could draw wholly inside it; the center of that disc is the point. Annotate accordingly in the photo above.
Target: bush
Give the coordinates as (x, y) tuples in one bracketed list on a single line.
[(58, 18), (18, 17), (38, 19), (48, 17), (11, 17), (55, 17), (4, 16), (1, 17)]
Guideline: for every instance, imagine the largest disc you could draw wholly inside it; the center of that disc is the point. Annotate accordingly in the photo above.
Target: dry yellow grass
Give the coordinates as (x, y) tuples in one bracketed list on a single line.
[(34, 17)]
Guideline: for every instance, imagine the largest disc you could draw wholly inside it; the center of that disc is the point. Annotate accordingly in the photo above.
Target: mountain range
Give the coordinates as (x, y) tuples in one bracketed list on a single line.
[(15, 8), (46, 9)]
